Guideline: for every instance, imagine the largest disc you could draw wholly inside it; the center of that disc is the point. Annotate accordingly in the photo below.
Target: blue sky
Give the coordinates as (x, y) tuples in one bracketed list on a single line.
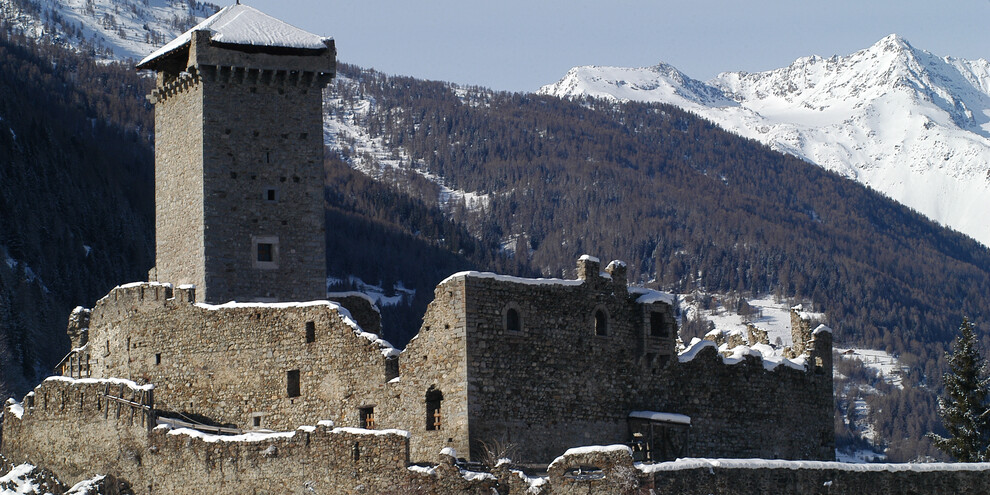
[(520, 46)]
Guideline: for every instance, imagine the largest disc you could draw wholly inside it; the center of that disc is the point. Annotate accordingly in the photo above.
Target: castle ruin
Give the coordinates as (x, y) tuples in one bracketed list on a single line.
[(539, 364)]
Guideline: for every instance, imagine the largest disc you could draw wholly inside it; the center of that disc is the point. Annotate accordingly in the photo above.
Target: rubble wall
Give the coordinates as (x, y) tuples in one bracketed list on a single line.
[(232, 363)]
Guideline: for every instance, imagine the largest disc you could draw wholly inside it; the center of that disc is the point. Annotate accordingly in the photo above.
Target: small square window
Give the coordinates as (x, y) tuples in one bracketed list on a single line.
[(256, 421), (271, 194), (266, 252)]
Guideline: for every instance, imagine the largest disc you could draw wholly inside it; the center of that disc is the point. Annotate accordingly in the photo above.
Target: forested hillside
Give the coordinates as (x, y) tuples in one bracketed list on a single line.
[(688, 205), (75, 195)]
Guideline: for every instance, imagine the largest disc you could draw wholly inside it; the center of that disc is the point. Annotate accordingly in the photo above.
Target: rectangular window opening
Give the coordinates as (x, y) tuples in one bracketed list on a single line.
[(292, 383), (368, 417), (271, 194), (256, 421), (158, 358), (310, 332), (266, 252), (658, 327)]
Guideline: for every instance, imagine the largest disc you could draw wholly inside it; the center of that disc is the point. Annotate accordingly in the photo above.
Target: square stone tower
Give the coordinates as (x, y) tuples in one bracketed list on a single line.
[(239, 158)]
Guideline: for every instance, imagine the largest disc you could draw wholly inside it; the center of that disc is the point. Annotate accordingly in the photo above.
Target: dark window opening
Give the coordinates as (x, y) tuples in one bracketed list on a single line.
[(601, 323), (310, 332), (271, 194), (512, 320), (158, 358), (658, 327), (434, 418), (356, 452), (368, 418), (391, 368), (266, 252), (257, 421), (292, 383)]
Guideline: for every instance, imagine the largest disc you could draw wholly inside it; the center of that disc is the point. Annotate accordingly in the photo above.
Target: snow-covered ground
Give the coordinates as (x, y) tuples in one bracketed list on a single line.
[(910, 124), (116, 29), (400, 294), (345, 131), (769, 315), (886, 365)]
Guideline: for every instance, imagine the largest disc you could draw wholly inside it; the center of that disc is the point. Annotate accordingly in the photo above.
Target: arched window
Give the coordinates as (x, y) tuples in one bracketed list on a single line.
[(601, 322), (511, 319), (434, 418)]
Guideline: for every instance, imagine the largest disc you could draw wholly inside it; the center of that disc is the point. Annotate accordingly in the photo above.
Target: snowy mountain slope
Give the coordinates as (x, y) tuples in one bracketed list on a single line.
[(110, 29), (901, 120)]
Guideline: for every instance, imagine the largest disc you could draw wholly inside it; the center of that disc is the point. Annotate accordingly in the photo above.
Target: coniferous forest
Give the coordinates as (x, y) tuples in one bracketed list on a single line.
[(686, 204)]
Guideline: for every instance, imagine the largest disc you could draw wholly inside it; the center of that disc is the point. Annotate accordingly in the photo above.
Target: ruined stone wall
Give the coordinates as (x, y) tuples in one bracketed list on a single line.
[(743, 410), (68, 426), (69, 435), (555, 383), (435, 358), (231, 363)]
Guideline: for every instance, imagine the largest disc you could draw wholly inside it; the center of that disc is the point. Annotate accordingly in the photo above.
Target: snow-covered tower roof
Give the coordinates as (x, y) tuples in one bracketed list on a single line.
[(245, 28)]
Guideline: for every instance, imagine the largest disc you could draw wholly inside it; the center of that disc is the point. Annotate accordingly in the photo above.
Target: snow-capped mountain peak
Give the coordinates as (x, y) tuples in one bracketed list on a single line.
[(911, 124)]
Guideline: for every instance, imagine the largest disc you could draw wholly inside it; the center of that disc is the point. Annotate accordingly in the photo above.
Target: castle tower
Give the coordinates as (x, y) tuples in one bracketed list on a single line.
[(239, 158)]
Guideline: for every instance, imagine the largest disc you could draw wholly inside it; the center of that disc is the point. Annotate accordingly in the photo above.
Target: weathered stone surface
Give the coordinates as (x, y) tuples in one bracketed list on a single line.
[(238, 163)]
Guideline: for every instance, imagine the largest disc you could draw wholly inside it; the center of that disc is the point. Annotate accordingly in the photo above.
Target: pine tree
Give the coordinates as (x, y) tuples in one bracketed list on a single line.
[(964, 409)]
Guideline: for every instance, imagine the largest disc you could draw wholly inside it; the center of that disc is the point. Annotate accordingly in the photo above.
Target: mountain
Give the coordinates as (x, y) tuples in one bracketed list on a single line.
[(110, 30), (903, 121)]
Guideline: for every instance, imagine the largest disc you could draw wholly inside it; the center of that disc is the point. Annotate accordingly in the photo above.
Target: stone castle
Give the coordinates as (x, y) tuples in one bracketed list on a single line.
[(176, 390)]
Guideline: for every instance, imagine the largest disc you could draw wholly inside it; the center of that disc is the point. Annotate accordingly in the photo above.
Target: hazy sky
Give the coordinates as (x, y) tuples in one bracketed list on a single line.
[(522, 45)]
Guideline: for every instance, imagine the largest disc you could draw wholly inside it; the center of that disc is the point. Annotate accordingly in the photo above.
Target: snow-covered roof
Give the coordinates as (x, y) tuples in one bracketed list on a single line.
[(244, 25)]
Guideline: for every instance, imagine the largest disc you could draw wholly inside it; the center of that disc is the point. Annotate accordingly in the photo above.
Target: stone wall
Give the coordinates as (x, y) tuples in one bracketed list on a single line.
[(231, 363), (179, 228), (66, 431), (436, 358), (557, 383), (70, 430)]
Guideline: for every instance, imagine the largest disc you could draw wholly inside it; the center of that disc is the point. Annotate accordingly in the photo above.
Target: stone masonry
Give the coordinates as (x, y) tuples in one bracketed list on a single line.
[(239, 169)]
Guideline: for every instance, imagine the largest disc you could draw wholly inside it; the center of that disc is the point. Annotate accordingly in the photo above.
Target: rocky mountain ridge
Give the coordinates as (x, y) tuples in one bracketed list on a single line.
[(901, 120)]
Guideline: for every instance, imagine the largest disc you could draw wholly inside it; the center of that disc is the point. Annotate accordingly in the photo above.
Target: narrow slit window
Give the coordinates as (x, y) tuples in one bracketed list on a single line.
[(292, 383), (601, 322), (434, 416), (158, 358), (310, 332)]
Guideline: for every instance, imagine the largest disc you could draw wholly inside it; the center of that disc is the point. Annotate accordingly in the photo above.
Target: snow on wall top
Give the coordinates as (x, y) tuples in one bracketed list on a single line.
[(386, 347), (244, 25), (682, 464), (660, 416), (764, 353), (509, 278), (650, 296), (112, 381)]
